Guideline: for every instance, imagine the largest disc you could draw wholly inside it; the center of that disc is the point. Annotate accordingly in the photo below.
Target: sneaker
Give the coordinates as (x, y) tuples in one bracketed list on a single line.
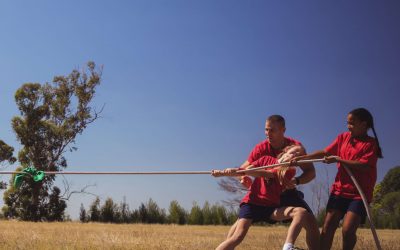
[(296, 248)]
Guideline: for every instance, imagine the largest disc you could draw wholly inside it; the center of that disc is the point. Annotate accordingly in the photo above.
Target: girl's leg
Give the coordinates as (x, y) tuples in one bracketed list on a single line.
[(351, 222), (240, 231), (300, 218), (331, 223)]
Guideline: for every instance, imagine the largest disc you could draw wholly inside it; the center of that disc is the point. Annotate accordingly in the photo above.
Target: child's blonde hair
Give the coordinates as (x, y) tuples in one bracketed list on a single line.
[(287, 155)]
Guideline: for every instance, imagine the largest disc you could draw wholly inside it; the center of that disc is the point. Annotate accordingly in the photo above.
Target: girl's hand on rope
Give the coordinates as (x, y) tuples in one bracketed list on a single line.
[(331, 159), (294, 162)]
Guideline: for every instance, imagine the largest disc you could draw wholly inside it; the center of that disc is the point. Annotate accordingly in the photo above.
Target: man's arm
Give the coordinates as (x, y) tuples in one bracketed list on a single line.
[(245, 165), (308, 169), (308, 173)]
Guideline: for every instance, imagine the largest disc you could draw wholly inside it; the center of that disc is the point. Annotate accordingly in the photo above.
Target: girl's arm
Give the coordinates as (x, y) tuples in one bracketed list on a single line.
[(314, 155), (353, 165)]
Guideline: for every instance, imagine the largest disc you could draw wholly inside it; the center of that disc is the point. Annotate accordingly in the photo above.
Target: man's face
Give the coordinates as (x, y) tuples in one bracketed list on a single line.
[(274, 131)]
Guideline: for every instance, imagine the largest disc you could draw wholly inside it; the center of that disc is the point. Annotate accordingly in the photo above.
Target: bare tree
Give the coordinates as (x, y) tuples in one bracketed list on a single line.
[(320, 191), (68, 192), (232, 186)]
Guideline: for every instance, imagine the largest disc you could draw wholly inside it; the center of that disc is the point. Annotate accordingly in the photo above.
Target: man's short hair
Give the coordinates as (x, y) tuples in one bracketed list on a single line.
[(277, 118)]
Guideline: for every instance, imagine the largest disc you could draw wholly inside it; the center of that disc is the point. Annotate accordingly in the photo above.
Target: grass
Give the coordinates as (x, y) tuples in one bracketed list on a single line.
[(74, 235)]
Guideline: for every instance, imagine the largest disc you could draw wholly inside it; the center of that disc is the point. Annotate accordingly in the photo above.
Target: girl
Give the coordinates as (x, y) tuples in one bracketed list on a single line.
[(359, 152)]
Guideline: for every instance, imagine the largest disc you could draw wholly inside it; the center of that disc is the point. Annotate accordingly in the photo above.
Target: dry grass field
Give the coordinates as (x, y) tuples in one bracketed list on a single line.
[(74, 235)]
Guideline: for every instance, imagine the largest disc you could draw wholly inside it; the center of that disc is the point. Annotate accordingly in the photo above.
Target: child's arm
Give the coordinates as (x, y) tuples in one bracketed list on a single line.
[(262, 173), (353, 165), (314, 155), (328, 158), (263, 161)]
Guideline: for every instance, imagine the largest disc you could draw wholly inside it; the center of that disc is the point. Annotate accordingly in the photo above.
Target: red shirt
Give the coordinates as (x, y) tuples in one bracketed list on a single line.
[(355, 149), (261, 192), (264, 148)]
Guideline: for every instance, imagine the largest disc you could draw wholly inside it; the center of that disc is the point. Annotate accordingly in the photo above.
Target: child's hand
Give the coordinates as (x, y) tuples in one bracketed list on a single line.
[(229, 171), (331, 159), (246, 181)]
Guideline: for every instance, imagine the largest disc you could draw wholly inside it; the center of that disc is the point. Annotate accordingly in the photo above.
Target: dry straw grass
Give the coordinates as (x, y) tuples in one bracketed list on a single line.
[(26, 235)]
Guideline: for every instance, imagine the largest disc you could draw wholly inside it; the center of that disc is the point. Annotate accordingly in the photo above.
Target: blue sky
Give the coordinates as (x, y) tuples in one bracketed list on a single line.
[(188, 84)]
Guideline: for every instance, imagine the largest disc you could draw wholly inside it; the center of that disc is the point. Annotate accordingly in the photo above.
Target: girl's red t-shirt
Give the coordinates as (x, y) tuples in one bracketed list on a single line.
[(356, 149)]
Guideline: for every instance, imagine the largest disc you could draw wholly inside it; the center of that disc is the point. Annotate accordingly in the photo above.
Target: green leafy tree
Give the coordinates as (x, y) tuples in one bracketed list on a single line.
[(177, 214), (143, 213), (390, 183), (219, 215), (51, 116), (109, 211), (134, 216), (94, 210), (386, 203), (207, 214), (124, 211), (155, 213), (196, 215), (232, 216), (82, 214), (6, 155), (55, 206)]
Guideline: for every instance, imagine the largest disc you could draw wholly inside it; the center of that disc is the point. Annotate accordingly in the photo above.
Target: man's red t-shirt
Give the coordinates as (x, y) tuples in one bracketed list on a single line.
[(261, 192), (264, 148), (355, 149)]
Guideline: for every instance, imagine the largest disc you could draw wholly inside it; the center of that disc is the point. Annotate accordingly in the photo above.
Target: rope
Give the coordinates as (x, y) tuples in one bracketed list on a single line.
[(156, 172), (116, 173), (278, 165)]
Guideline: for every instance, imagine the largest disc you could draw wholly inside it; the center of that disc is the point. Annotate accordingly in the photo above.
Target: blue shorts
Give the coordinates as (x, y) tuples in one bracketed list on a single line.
[(294, 198), (344, 204), (255, 212)]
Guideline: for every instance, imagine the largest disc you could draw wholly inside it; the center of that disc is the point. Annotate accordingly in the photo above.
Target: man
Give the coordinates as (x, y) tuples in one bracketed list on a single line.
[(276, 141)]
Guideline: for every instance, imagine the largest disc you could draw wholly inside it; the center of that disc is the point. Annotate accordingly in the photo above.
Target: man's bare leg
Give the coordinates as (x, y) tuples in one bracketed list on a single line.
[(242, 226), (232, 230)]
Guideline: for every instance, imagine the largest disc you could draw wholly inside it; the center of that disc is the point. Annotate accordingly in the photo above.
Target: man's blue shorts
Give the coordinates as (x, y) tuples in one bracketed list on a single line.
[(255, 212), (343, 204), (294, 198)]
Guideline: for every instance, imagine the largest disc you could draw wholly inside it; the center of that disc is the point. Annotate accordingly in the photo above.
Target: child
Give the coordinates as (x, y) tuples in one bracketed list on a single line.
[(288, 153), (261, 203), (359, 152)]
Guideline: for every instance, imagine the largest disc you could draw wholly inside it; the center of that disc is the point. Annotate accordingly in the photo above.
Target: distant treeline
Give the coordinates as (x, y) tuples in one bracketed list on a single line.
[(385, 209), (151, 213)]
